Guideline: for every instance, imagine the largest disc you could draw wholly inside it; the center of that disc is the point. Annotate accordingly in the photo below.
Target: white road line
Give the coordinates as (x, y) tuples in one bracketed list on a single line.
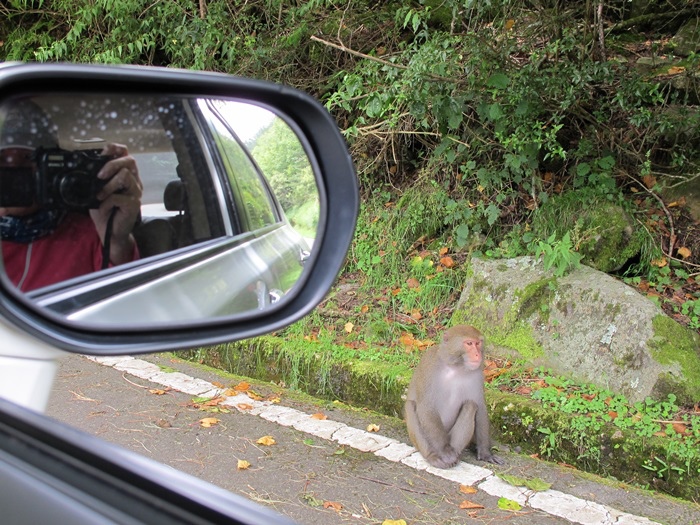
[(556, 503)]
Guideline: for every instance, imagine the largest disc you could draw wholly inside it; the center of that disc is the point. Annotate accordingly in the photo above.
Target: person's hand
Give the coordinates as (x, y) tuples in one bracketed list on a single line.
[(123, 193)]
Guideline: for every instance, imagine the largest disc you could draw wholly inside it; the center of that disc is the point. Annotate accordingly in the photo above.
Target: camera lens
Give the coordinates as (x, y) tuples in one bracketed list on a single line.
[(77, 190)]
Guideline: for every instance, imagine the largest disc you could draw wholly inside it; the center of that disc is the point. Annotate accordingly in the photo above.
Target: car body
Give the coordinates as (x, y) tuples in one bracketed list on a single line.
[(220, 260)]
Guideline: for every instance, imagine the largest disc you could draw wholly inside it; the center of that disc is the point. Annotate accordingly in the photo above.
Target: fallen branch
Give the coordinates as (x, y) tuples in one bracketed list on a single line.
[(672, 234), (345, 49)]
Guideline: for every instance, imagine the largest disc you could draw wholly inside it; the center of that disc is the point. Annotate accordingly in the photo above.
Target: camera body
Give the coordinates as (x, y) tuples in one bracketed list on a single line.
[(58, 179)]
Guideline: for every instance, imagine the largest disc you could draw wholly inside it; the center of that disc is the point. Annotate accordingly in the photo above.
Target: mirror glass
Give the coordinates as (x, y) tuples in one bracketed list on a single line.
[(141, 210)]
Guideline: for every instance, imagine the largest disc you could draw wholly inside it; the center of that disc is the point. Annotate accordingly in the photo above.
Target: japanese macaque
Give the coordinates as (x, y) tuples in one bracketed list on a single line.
[(445, 408)]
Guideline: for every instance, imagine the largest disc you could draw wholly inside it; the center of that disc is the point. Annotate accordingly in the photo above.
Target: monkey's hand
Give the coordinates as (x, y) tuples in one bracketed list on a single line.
[(487, 456), (447, 458)]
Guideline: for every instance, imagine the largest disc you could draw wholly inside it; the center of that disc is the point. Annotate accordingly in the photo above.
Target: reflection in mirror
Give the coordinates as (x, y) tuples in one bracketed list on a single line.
[(133, 210)]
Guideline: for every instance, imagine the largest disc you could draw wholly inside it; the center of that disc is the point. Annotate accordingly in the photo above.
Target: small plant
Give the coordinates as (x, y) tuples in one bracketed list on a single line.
[(559, 254), (549, 444)]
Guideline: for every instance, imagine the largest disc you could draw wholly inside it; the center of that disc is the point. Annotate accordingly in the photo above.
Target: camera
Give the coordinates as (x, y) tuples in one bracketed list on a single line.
[(54, 178)]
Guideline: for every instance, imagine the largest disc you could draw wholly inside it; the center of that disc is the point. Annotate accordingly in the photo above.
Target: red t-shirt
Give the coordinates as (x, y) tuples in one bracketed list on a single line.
[(73, 249)]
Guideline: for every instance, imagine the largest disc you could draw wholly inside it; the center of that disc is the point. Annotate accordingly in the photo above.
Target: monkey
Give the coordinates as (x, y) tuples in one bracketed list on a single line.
[(445, 406)]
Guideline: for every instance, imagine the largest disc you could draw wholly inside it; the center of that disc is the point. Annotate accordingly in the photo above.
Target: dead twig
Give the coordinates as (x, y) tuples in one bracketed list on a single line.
[(669, 218), (345, 49), (380, 482)]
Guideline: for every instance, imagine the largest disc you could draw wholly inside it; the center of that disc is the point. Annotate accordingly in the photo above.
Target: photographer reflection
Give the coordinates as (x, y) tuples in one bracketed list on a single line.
[(62, 214)]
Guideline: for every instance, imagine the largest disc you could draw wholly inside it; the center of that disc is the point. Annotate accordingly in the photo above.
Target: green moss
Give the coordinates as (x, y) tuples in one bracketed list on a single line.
[(512, 329), (313, 368), (535, 298), (613, 309), (521, 339), (675, 344)]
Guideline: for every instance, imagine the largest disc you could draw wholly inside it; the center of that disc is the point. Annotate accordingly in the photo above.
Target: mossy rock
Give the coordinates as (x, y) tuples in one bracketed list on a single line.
[(585, 325), (606, 234)]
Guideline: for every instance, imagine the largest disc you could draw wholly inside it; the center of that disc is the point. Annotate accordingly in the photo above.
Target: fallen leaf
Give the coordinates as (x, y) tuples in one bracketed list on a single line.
[(407, 339), (413, 283), (443, 251), (243, 464), (157, 391), (416, 315), (508, 504), (312, 500), (537, 485), (676, 70), (649, 181), (516, 481), (214, 401), (320, 416), (242, 386), (659, 263), (218, 385), (348, 327), (468, 489), (267, 441), (364, 309), (372, 428), (680, 428), (394, 522), (208, 421), (244, 406), (470, 505), (332, 505), (684, 252), (447, 262), (162, 423)]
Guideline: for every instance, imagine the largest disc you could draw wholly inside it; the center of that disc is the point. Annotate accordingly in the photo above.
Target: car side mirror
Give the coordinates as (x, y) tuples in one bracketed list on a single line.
[(230, 205)]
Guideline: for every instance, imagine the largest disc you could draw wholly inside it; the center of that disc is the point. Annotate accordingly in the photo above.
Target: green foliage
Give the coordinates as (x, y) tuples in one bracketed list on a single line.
[(558, 254), (592, 410), (282, 159)]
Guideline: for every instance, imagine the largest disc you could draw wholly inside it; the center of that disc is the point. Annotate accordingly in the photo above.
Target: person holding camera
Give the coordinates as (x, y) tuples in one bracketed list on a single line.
[(46, 237)]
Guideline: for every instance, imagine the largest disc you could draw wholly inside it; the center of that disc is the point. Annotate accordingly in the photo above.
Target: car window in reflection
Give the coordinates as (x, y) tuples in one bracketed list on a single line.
[(250, 193), (281, 158)]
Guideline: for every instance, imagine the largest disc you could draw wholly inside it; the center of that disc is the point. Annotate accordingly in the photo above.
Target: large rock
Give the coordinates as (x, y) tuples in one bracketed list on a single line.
[(687, 40), (586, 325)]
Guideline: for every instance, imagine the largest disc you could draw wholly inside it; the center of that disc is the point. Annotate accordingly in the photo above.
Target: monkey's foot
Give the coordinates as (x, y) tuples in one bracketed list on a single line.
[(448, 458)]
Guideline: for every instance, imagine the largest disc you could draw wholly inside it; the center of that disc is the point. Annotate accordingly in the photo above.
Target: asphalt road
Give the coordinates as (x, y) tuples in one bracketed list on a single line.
[(323, 466)]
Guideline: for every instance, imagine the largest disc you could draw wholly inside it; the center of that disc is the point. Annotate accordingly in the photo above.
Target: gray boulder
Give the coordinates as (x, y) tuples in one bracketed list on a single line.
[(585, 325)]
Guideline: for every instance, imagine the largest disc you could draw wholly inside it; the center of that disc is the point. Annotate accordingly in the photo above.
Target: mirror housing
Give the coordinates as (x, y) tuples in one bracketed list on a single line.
[(335, 179)]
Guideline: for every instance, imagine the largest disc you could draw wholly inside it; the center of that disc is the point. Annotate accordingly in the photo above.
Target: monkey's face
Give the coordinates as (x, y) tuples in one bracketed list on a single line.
[(473, 352)]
